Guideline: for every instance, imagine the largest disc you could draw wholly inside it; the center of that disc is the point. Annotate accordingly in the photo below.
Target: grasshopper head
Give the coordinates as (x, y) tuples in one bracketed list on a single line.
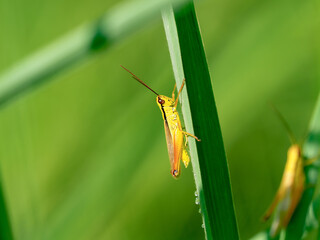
[(164, 101), (294, 152)]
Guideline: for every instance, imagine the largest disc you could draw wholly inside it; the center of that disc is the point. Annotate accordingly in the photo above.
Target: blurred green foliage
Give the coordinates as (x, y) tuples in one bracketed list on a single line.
[(84, 157)]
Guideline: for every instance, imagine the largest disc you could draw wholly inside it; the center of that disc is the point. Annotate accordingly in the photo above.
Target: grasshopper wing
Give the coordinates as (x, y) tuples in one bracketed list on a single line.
[(174, 139), (177, 148), (169, 145)]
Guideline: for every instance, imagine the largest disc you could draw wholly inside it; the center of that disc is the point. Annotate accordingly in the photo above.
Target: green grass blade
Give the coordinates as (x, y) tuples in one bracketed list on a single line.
[(174, 50), (311, 149), (115, 25), (211, 170), (5, 226)]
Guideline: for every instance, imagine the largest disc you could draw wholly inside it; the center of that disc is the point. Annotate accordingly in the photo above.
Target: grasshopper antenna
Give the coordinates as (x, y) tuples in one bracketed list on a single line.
[(284, 123), (139, 80)]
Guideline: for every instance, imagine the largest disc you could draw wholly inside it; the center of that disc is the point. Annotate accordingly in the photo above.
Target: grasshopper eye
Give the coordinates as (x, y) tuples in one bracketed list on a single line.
[(161, 101)]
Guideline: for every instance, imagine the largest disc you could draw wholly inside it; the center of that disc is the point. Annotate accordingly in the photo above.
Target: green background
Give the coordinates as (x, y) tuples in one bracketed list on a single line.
[(84, 157)]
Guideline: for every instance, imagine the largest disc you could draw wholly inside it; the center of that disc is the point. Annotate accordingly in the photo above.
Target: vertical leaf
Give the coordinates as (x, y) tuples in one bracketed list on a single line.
[(5, 227), (211, 170)]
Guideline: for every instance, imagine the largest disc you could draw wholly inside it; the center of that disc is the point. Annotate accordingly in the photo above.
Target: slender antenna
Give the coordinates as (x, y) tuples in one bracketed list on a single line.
[(139, 80), (284, 123)]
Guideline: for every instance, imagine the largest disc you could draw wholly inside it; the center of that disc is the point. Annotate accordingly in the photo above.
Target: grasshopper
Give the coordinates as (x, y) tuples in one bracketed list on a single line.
[(289, 192), (172, 125), (291, 187)]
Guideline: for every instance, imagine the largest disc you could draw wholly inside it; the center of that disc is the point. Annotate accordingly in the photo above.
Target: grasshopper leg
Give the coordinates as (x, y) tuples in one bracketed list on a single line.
[(175, 85), (310, 161), (190, 135), (184, 80)]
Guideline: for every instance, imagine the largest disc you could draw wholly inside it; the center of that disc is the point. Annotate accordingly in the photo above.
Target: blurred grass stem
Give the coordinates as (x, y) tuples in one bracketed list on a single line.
[(78, 45)]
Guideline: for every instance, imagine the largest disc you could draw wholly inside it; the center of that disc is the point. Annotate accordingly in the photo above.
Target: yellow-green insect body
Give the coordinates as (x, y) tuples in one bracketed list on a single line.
[(174, 134), (289, 193), (291, 187)]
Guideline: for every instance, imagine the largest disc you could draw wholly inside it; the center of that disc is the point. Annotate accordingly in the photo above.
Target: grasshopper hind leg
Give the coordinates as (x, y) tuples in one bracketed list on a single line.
[(185, 157)]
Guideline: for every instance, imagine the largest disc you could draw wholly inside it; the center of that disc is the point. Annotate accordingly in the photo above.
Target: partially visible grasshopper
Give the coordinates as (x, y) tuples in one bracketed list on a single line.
[(289, 192), (172, 126), (291, 187)]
